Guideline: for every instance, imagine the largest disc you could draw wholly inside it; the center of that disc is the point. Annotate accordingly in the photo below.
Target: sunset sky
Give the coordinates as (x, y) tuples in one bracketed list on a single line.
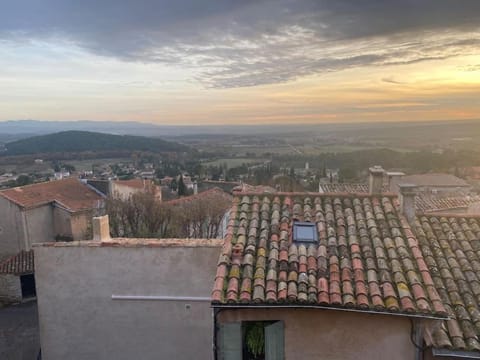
[(240, 61)]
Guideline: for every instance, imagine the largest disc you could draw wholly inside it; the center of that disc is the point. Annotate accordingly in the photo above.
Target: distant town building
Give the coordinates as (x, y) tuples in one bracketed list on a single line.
[(60, 209), (124, 189)]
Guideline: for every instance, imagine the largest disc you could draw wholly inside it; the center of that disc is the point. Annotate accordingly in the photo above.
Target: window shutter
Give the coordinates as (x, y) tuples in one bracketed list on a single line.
[(274, 341), (230, 341)]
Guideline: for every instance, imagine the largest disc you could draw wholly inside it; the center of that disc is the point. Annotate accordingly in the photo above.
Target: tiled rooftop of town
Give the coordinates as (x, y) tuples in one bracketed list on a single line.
[(69, 193), (451, 248), (367, 257)]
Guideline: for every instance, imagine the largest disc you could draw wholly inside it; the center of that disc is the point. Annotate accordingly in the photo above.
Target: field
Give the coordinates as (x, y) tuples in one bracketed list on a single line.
[(233, 162)]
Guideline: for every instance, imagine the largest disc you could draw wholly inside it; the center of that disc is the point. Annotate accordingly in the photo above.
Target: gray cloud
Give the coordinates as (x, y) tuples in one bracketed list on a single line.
[(245, 43)]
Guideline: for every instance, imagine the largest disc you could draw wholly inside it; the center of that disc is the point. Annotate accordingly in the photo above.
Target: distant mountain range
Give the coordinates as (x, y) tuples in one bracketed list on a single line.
[(82, 141)]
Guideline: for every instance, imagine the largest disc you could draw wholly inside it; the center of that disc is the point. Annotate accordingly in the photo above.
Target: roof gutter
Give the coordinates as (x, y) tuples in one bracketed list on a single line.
[(415, 316), (456, 353)]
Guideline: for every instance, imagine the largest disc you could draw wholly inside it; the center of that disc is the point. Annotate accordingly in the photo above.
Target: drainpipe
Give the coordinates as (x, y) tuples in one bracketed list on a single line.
[(416, 337), (216, 311)]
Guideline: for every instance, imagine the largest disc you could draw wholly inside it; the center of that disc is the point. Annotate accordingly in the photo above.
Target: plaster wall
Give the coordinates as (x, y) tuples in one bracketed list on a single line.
[(39, 224), (61, 222), (335, 335), (12, 235), (82, 225), (79, 320), (122, 191)]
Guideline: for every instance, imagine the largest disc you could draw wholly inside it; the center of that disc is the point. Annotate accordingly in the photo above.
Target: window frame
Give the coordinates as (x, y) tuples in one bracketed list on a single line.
[(295, 230)]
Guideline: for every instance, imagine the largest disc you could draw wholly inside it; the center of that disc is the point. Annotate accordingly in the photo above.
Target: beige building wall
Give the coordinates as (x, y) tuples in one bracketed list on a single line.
[(12, 230), (81, 225), (76, 226), (124, 191), (312, 334), (80, 320)]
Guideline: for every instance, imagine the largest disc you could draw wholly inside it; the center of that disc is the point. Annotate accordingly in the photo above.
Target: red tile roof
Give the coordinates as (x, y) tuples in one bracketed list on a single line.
[(350, 188), (451, 248), (19, 264), (69, 193), (367, 257)]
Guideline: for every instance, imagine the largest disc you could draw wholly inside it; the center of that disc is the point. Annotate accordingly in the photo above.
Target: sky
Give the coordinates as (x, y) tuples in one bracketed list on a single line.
[(240, 62)]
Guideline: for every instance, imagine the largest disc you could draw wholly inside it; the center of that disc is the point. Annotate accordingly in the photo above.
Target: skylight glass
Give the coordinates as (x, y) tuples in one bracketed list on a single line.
[(305, 232)]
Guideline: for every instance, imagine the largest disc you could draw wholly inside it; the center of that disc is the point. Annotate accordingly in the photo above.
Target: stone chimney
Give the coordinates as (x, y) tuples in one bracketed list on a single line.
[(375, 180), (195, 187), (394, 178), (407, 201), (101, 228)]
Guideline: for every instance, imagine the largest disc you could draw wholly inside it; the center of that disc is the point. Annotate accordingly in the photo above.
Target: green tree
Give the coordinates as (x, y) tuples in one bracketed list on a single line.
[(182, 188)]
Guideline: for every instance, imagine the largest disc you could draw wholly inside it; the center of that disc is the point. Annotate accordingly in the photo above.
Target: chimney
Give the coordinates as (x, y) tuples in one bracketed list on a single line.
[(407, 201), (375, 180), (394, 178), (101, 228), (195, 187)]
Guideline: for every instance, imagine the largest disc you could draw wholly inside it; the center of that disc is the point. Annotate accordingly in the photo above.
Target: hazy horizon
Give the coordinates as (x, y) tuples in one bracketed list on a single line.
[(240, 63)]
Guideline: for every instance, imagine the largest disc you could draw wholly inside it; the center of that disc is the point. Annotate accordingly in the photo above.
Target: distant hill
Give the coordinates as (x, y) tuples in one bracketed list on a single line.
[(81, 141)]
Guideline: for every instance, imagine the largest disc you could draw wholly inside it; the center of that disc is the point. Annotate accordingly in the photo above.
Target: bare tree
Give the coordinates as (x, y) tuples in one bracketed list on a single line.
[(143, 215)]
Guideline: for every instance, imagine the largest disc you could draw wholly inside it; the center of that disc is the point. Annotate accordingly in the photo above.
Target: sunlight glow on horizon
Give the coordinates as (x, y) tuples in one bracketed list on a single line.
[(63, 82)]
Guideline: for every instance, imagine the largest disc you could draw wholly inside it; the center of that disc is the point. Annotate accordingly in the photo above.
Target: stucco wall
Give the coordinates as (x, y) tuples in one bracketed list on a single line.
[(79, 319), (82, 225), (122, 191), (335, 335), (10, 288), (61, 221), (39, 223), (12, 238)]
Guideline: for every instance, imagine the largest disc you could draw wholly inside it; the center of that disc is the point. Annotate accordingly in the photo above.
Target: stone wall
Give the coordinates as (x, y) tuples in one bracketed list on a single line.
[(10, 288)]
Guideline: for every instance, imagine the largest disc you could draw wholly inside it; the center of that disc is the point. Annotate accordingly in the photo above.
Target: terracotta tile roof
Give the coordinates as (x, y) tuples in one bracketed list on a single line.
[(367, 257), (430, 202), (451, 248), (69, 193), (205, 195), (19, 264), (349, 188)]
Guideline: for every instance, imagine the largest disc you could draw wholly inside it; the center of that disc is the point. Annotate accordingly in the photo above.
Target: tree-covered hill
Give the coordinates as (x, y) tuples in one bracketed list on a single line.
[(80, 141)]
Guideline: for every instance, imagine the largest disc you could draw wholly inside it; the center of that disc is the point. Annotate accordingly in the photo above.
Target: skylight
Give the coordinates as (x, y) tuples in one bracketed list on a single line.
[(305, 232)]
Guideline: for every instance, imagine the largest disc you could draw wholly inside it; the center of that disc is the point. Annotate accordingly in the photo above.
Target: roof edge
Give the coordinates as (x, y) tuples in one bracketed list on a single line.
[(322, 307), (317, 194), (462, 354)]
